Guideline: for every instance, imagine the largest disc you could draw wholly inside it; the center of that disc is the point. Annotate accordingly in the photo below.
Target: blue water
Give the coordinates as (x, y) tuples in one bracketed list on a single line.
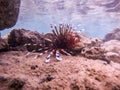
[(91, 18)]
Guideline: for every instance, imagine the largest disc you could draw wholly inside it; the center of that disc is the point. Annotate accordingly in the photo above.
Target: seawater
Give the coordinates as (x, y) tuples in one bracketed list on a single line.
[(93, 18)]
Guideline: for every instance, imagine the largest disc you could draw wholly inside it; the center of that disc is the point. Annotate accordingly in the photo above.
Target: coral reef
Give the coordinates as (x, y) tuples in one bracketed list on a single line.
[(112, 49), (96, 65), (114, 34), (63, 40)]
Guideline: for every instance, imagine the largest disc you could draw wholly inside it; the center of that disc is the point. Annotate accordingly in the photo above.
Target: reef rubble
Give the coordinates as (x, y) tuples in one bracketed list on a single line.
[(96, 67)]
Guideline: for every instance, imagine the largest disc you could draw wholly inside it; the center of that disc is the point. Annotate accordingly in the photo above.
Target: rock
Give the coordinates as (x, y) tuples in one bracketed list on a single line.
[(3, 79), (19, 37), (112, 46), (93, 52), (16, 84), (92, 48), (9, 10), (11, 83), (93, 42), (112, 49), (111, 56), (21, 40), (114, 34), (3, 45)]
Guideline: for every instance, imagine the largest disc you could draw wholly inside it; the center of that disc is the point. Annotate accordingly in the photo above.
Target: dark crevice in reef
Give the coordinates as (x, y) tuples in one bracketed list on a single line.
[(47, 78), (16, 84)]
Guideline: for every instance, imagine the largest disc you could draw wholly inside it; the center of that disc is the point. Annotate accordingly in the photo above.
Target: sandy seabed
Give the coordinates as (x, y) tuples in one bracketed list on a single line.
[(72, 73)]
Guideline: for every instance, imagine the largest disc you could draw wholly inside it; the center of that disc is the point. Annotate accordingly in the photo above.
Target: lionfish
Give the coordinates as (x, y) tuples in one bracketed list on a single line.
[(62, 40)]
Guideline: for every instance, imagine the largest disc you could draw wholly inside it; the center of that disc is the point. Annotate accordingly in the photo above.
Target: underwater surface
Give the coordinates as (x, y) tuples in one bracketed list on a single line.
[(93, 18)]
